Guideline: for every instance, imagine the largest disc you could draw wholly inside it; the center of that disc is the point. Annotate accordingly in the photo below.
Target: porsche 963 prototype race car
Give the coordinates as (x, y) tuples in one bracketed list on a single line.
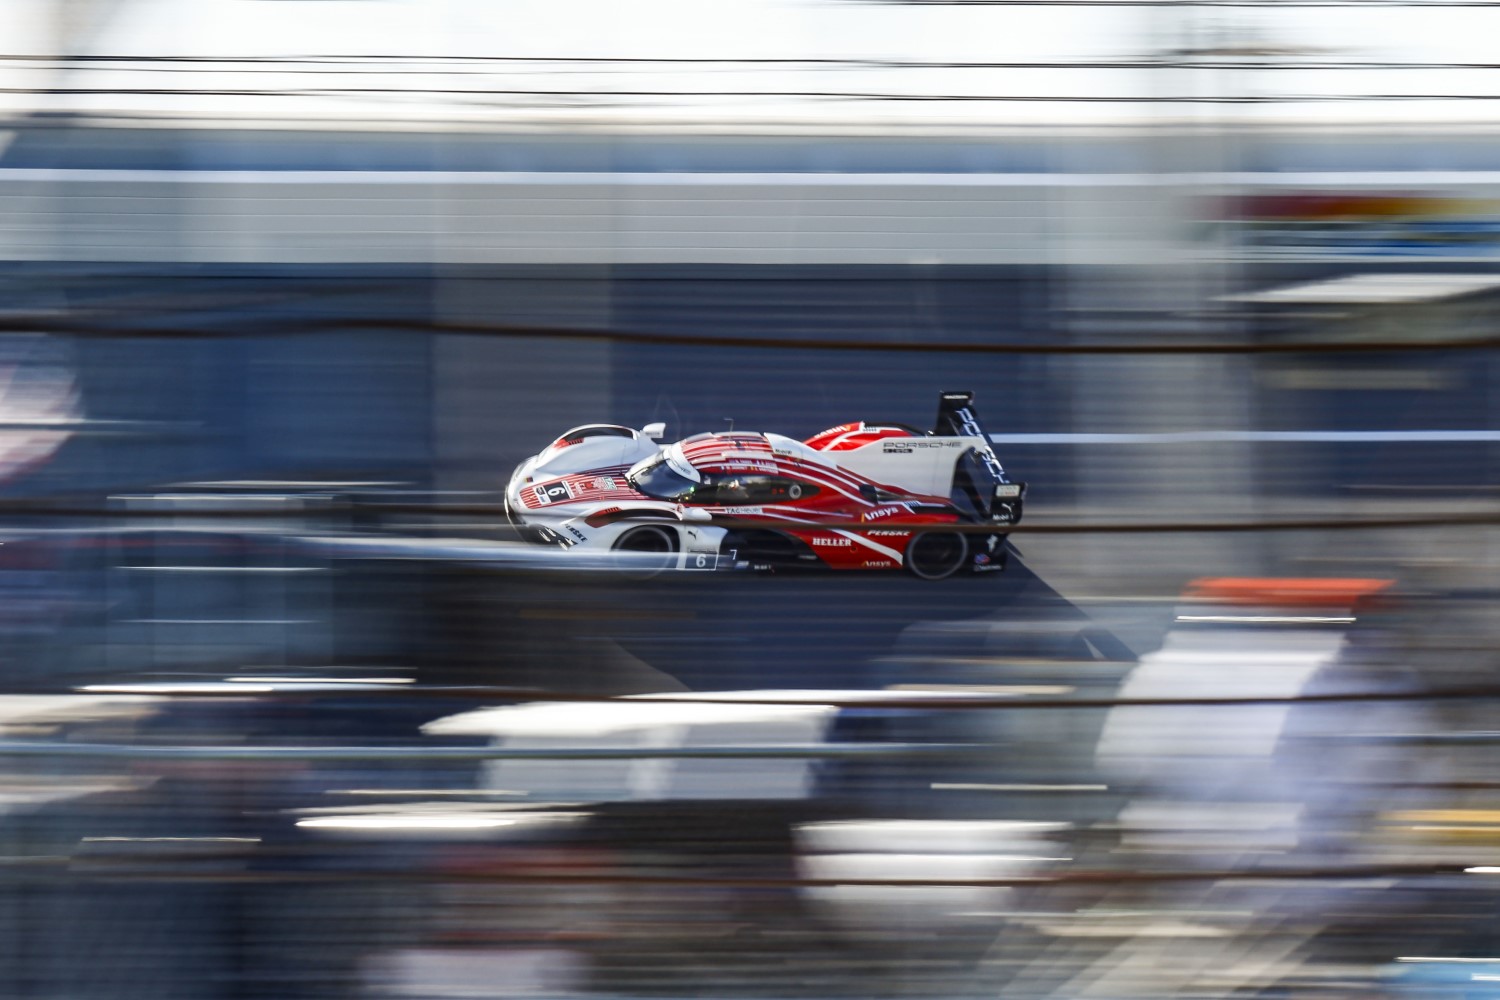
[(856, 496)]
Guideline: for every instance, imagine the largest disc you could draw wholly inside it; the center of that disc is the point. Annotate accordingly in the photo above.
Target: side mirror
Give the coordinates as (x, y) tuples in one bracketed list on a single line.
[(655, 431)]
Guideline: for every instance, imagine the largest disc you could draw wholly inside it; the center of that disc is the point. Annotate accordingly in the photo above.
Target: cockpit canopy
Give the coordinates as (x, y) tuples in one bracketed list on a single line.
[(717, 479)]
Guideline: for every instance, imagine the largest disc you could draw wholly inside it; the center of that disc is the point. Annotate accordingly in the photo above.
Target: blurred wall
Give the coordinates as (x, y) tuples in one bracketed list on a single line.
[(272, 296)]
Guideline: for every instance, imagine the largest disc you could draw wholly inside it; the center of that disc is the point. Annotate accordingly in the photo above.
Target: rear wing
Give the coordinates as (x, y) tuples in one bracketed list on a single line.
[(1001, 497)]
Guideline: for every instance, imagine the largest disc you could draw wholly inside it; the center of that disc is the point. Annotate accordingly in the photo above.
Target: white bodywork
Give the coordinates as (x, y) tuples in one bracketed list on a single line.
[(922, 465), (591, 453), (698, 546)]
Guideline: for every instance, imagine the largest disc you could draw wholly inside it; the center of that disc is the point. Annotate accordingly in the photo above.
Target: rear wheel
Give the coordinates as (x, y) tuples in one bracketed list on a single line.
[(936, 555)]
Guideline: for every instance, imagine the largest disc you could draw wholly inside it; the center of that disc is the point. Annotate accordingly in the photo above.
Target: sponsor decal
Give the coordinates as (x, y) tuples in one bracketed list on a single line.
[(603, 483), (577, 534), (832, 542), (969, 424), (981, 559), (887, 533), (743, 510), (880, 512), (878, 564), (907, 445), (553, 493)]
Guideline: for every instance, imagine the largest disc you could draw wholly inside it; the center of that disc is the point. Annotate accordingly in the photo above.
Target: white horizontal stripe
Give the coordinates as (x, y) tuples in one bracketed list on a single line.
[(225, 569), (1294, 179), (1188, 437), (220, 621), (784, 517), (876, 546), (1270, 619), (965, 786)]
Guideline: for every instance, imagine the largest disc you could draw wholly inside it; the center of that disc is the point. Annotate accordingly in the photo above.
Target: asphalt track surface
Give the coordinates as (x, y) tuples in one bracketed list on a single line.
[(738, 631)]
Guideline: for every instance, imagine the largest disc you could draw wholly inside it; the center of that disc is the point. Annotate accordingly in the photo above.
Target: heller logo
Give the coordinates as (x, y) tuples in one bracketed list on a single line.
[(839, 542)]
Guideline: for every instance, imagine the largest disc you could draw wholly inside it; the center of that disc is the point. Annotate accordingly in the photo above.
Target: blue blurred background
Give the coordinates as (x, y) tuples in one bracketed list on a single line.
[(287, 709)]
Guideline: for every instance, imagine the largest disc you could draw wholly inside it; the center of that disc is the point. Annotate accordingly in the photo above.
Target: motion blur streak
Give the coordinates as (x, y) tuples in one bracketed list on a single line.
[(297, 703)]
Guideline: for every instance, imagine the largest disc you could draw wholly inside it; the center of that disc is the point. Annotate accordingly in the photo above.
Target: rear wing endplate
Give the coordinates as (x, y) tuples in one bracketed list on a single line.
[(956, 417)]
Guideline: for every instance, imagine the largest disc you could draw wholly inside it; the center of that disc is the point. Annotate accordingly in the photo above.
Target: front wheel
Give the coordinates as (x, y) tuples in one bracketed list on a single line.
[(936, 555), (647, 538)]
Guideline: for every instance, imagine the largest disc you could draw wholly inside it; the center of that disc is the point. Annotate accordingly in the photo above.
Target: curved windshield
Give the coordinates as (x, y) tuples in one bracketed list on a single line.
[(656, 479)]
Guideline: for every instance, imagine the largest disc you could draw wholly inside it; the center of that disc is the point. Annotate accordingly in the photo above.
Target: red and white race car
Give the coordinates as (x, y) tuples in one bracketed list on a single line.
[(856, 496)]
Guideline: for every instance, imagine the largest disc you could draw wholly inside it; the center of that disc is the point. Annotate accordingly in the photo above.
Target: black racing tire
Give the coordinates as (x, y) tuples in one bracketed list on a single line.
[(936, 555), (647, 538)]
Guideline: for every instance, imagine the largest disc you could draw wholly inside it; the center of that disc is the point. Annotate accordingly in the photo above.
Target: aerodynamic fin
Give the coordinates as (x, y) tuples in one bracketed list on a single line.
[(957, 418), (1001, 498)]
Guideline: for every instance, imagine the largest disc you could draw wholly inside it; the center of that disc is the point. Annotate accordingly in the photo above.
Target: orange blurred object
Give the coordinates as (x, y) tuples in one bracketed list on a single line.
[(1340, 592)]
